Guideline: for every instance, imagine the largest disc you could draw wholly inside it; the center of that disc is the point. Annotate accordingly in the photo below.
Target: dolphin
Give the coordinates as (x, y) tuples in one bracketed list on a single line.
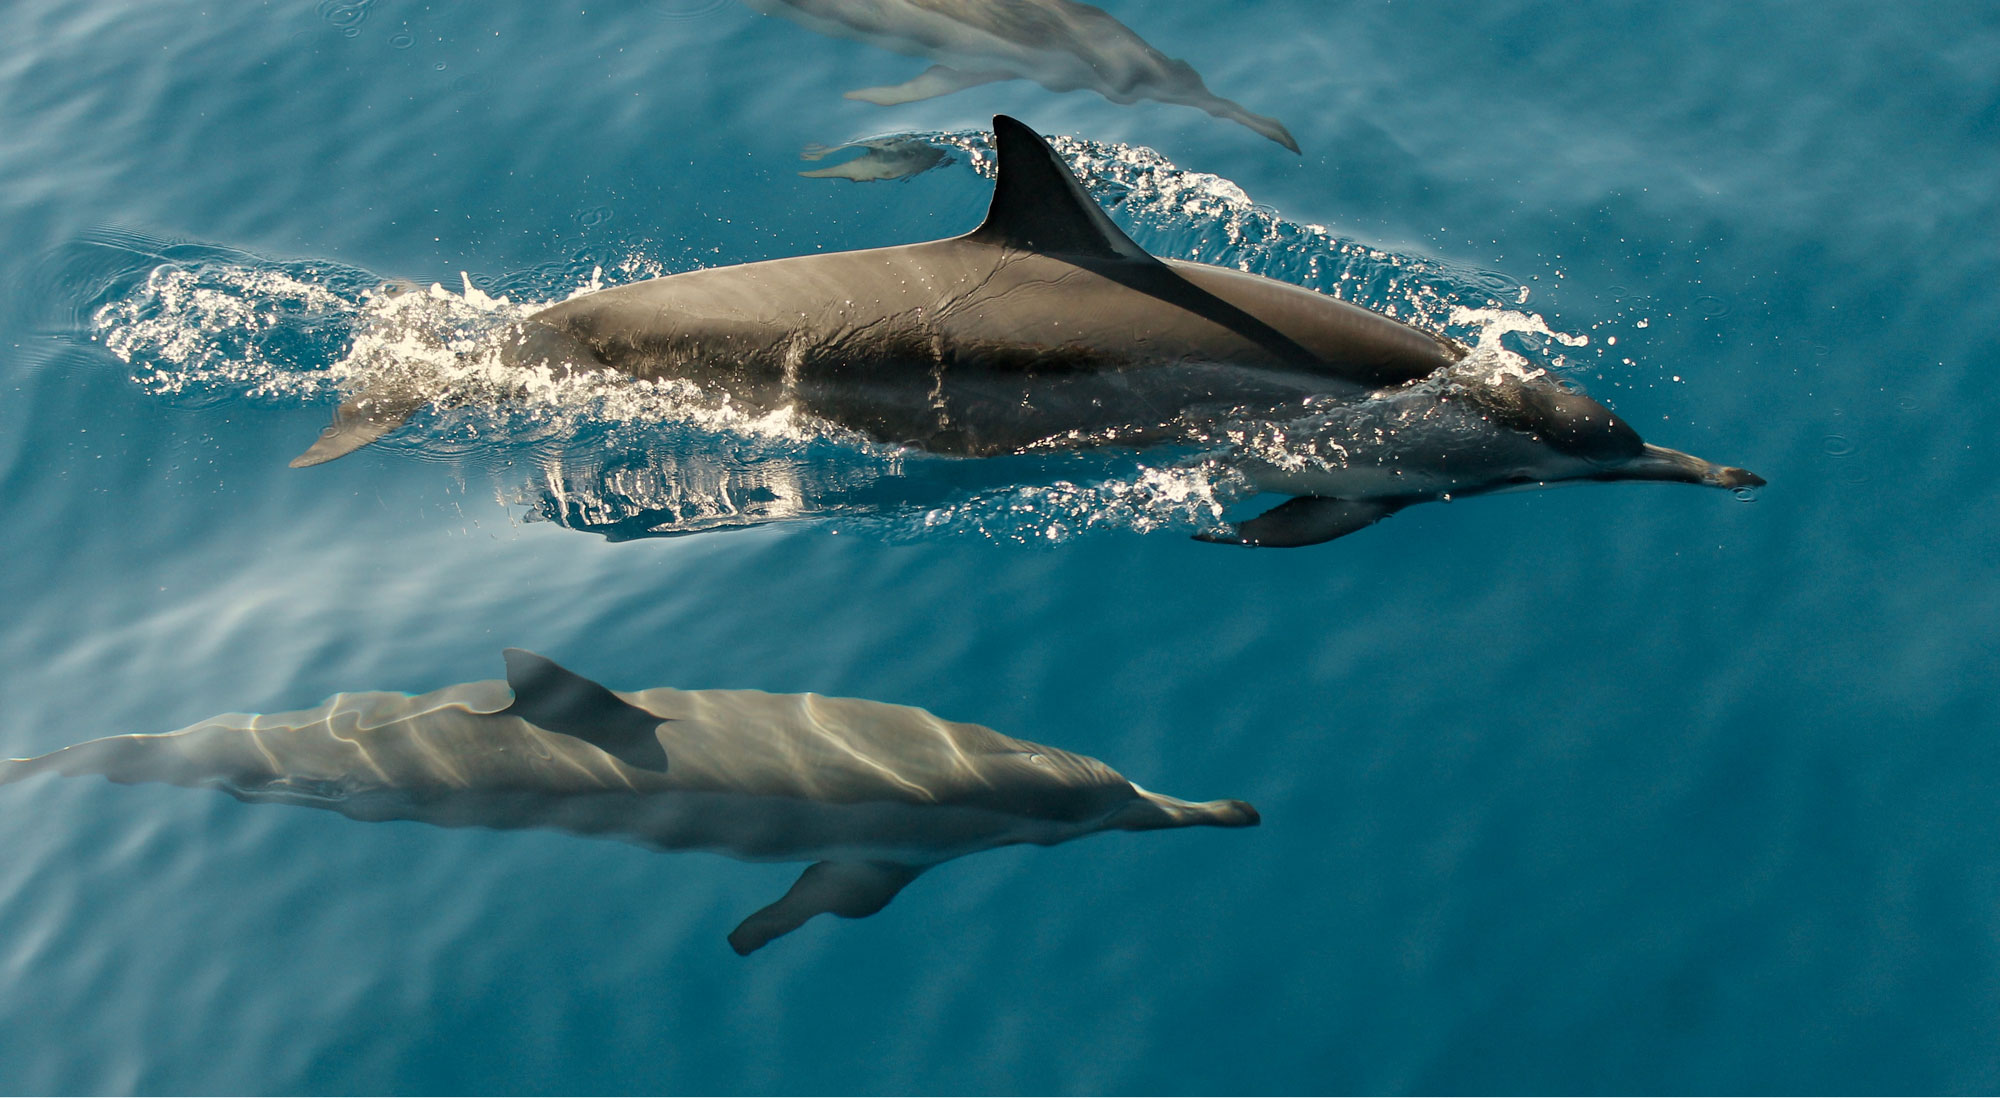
[(874, 794), (885, 158), (1061, 45), (1047, 328)]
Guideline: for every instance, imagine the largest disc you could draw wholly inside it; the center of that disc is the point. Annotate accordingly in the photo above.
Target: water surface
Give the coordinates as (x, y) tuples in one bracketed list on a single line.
[(1612, 789)]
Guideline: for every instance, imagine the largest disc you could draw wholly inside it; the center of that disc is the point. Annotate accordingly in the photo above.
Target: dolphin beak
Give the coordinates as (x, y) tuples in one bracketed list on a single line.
[(1666, 464), (1159, 811)]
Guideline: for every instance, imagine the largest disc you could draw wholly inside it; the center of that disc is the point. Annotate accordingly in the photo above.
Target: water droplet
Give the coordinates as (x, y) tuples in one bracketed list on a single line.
[(402, 40), (1907, 404), (1745, 494), (1708, 305), (1837, 446), (596, 215)]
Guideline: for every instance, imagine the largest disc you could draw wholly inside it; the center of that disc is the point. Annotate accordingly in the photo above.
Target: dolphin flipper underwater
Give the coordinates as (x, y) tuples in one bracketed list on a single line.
[(873, 793), (1047, 328)]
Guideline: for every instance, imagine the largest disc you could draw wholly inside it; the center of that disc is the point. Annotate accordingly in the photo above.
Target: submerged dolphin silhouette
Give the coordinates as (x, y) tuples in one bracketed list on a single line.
[(1048, 328), (883, 158), (874, 793), (1061, 45)]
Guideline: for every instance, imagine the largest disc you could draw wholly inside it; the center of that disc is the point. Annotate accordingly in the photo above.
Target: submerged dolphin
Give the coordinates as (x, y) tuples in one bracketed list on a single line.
[(874, 793), (1047, 328), (1061, 45), (884, 158)]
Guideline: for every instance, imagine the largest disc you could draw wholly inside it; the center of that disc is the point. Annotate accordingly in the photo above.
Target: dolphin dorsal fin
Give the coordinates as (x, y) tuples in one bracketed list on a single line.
[(558, 700), (1038, 205)]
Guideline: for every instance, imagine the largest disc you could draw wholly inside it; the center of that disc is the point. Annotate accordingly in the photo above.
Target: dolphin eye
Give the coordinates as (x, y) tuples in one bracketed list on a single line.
[(1037, 758)]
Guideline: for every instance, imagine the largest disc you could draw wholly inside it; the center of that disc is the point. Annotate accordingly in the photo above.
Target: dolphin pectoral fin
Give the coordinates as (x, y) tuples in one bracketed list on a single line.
[(558, 700), (1305, 521), (856, 889), (935, 81), (359, 421)]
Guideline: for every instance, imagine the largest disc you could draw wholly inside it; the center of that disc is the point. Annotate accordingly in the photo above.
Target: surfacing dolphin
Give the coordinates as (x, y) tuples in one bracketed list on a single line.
[(874, 793), (1047, 328), (1061, 45)]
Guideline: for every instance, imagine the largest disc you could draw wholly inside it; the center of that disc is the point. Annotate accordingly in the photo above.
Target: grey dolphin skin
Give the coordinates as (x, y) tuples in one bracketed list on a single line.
[(1061, 45), (1047, 328), (874, 794)]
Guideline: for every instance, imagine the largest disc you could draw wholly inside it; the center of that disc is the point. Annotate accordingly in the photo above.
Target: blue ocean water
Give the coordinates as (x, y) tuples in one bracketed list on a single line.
[(1611, 789)]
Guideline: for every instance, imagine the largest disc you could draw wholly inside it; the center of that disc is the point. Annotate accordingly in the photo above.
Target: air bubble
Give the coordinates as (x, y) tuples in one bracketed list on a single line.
[(1837, 446)]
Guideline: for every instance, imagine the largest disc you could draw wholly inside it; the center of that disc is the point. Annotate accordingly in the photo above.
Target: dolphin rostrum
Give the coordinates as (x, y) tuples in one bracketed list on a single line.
[(1047, 328), (873, 793), (1060, 44)]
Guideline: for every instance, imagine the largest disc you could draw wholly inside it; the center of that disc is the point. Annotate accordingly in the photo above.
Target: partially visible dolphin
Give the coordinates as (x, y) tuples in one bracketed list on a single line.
[(1061, 45), (884, 158), (874, 793), (1047, 328), (1476, 427)]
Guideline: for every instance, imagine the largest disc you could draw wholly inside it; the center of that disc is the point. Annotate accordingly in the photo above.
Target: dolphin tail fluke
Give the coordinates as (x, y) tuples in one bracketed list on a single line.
[(100, 757), (142, 758), (1304, 521), (855, 889), (1666, 464), (13, 771), (359, 421), (935, 81)]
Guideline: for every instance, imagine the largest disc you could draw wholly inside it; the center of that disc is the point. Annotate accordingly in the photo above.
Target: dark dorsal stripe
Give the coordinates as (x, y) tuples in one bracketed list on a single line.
[(558, 700)]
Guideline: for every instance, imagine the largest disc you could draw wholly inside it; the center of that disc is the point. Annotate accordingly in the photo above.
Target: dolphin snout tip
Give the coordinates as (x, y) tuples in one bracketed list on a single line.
[(1234, 813), (1736, 477)]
